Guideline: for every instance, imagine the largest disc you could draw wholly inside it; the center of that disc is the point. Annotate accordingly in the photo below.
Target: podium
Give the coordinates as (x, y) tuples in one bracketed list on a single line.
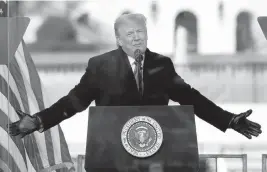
[(141, 139)]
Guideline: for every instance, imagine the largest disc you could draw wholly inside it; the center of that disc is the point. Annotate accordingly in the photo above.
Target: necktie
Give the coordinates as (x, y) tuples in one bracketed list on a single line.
[(138, 73)]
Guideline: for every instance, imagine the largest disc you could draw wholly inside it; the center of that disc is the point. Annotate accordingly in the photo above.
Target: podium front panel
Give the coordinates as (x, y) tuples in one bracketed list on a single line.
[(106, 146)]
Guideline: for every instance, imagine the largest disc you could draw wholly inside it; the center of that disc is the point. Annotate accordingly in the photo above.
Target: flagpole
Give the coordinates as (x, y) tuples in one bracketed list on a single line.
[(8, 74)]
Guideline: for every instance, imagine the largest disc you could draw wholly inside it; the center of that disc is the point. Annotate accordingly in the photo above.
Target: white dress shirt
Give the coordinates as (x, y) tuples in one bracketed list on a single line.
[(132, 60)]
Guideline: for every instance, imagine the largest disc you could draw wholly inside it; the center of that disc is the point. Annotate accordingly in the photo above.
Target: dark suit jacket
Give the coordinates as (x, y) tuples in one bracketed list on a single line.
[(109, 81)]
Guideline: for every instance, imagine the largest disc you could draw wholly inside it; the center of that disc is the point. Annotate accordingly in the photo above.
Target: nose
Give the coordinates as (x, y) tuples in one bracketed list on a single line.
[(136, 36)]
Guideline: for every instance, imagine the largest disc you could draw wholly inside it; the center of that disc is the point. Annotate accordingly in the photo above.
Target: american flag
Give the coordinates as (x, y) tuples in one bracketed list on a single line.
[(21, 89)]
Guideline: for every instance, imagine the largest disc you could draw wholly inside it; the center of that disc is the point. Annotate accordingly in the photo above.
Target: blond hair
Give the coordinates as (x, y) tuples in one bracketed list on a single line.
[(122, 19)]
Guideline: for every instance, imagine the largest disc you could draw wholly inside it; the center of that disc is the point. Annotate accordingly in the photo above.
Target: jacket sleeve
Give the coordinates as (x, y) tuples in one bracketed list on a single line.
[(181, 92), (77, 100)]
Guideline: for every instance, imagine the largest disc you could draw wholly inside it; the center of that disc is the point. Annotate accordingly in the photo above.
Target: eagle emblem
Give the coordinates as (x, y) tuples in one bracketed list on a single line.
[(142, 136)]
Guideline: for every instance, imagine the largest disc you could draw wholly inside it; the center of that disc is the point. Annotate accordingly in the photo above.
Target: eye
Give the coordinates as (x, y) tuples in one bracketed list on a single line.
[(130, 34)]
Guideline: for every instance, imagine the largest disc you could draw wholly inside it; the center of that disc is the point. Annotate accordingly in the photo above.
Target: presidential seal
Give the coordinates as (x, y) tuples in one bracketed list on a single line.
[(141, 136)]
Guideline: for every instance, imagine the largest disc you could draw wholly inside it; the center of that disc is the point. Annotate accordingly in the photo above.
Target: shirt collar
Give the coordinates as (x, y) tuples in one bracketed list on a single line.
[(132, 60)]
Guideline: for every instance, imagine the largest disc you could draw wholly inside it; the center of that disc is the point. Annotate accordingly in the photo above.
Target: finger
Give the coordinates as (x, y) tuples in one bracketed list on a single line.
[(14, 131), (254, 124), (251, 128), (255, 130), (20, 114), (13, 126), (251, 132), (246, 134), (10, 125)]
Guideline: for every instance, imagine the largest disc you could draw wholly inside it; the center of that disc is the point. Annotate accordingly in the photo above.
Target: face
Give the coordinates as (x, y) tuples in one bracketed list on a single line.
[(132, 36)]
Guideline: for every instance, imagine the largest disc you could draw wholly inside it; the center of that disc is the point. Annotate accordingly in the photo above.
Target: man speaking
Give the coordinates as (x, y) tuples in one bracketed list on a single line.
[(132, 75)]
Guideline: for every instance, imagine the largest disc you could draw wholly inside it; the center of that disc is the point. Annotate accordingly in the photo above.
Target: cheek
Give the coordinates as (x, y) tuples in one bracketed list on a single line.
[(128, 41), (144, 37), (125, 42)]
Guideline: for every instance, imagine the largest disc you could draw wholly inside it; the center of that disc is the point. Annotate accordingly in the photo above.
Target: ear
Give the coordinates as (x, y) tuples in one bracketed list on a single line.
[(119, 42), (146, 34)]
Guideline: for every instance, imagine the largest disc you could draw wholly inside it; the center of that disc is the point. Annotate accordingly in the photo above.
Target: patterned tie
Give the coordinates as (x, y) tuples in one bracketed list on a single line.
[(138, 71)]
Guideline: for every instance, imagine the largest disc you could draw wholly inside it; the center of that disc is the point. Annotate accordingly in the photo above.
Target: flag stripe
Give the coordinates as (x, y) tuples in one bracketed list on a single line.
[(5, 89), (8, 78), (9, 160), (18, 142), (9, 145), (66, 155), (58, 145), (29, 164), (4, 167), (39, 138), (16, 74), (44, 143), (5, 140), (14, 117), (34, 77), (21, 89), (51, 141), (49, 147), (33, 157), (13, 99)]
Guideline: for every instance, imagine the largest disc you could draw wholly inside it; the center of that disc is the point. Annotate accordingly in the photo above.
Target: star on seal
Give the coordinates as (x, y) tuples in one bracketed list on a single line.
[(141, 136)]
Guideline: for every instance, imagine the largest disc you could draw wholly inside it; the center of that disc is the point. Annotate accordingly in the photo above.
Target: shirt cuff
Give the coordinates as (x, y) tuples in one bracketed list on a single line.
[(40, 124)]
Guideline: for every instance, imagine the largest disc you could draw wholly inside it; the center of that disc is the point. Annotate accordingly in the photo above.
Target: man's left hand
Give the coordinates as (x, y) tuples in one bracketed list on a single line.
[(241, 124), (26, 125)]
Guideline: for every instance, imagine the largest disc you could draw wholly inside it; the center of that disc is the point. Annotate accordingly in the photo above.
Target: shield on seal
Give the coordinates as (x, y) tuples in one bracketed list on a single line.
[(142, 136)]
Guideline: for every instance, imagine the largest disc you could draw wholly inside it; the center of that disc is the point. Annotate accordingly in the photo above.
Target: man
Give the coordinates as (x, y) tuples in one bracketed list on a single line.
[(132, 75)]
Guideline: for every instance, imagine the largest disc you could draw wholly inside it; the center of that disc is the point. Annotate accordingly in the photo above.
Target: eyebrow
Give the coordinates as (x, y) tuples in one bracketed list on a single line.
[(129, 32)]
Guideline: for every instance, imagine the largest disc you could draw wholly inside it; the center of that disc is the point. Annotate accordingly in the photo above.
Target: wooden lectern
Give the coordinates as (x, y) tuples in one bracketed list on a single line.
[(141, 139)]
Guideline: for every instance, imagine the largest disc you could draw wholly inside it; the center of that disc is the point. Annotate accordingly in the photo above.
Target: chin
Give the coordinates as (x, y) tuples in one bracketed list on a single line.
[(143, 49)]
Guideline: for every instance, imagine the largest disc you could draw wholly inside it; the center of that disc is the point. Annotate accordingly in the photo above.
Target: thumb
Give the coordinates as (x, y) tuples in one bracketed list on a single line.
[(247, 113), (20, 114)]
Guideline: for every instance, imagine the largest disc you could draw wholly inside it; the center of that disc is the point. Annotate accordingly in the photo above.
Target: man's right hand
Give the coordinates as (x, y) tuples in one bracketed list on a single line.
[(26, 125)]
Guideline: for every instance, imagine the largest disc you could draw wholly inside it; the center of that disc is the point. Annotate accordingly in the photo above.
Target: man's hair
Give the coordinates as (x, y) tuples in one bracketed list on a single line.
[(122, 19)]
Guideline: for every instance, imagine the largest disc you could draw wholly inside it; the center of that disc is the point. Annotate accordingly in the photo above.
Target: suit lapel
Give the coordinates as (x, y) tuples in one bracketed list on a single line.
[(126, 73), (147, 65)]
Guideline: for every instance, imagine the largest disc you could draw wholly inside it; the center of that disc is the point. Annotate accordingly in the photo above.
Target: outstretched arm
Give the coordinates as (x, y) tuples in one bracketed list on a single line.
[(77, 100), (205, 109)]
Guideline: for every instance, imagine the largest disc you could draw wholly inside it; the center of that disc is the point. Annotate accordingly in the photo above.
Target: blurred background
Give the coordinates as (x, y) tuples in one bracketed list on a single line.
[(217, 47)]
